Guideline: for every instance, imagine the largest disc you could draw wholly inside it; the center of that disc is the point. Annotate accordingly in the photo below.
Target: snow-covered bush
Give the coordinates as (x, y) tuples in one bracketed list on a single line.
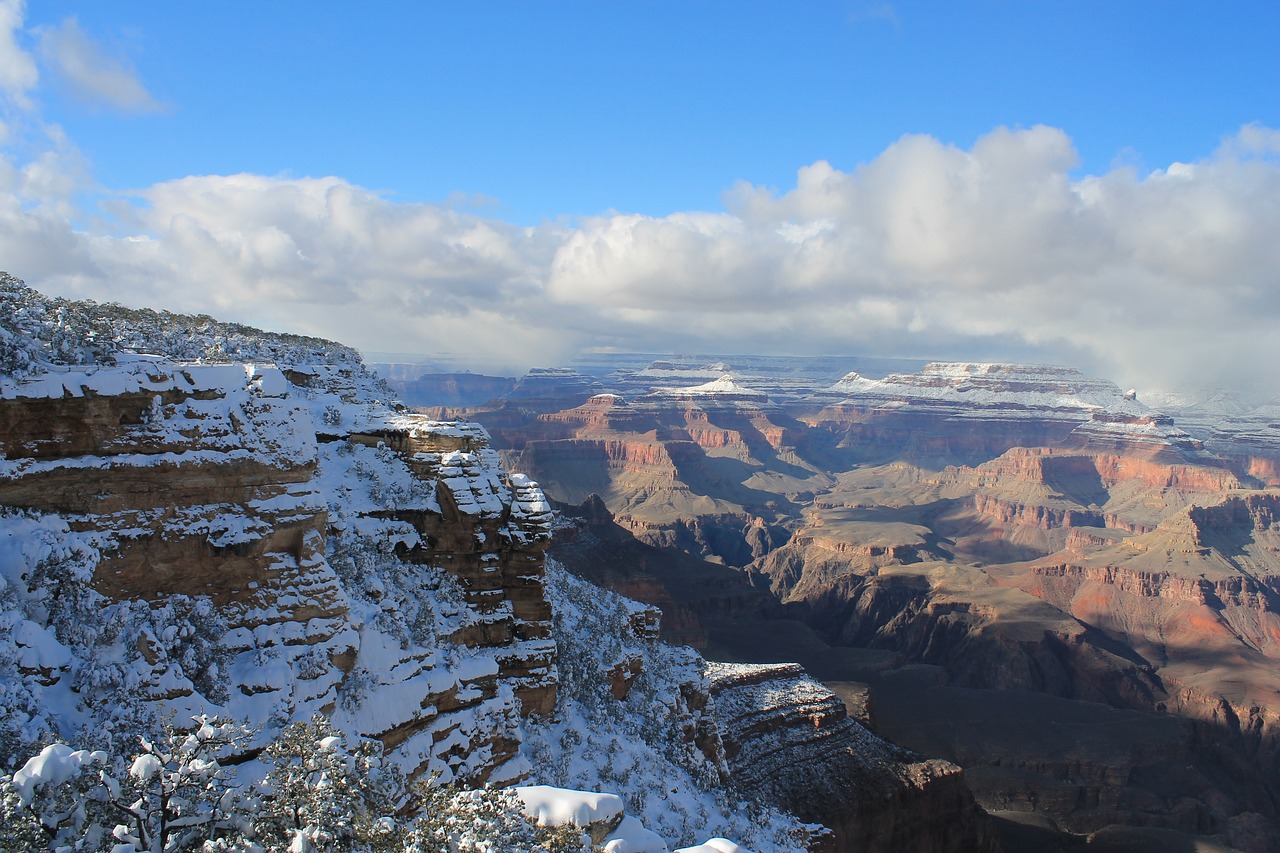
[(488, 820), (323, 795), (20, 828), (190, 630), (37, 331), (318, 796)]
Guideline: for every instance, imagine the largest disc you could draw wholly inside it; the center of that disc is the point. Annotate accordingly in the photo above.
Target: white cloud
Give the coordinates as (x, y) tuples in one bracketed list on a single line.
[(18, 73), (928, 250), (91, 73), (1253, 140)]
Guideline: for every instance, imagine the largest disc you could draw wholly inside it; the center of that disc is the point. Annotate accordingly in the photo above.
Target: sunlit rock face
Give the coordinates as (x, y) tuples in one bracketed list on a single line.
[(1008, 527), (268, 539)]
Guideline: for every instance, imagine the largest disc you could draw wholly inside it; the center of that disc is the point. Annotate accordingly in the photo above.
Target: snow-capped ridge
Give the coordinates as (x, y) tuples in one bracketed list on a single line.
[(724, 387), (972, 385)]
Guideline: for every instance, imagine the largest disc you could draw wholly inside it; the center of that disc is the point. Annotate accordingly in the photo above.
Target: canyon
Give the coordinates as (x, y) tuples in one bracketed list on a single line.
[(1021, 569), (204, 519)]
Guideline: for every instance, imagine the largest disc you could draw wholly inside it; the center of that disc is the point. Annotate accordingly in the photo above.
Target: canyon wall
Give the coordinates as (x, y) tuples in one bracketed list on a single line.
[(1006, 529), (286, 506)]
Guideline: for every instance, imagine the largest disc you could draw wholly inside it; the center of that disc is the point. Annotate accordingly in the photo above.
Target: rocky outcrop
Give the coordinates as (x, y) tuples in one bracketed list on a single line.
[(788, 740), (490, 533), (712, 470), (684, 591), (290, 500)]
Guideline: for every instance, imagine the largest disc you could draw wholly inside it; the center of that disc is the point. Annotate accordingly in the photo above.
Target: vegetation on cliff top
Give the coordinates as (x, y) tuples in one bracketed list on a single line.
[(38, 331)]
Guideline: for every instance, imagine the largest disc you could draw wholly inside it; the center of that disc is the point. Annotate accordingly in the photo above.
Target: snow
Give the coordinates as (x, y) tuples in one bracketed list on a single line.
[(714, 845), (632, 837), (724, 386), (38, 649), (146, 376), (550, 806), (476, 487), (969, 388), (56, 764), (269, 381), (145, 767)]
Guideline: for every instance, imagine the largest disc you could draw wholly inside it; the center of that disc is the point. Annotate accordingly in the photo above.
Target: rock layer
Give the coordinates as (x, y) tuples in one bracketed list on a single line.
[(209, 481), (789, 740)]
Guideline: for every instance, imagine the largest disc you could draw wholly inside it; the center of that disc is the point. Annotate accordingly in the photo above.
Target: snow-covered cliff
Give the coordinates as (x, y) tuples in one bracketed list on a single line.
[(199, 520)]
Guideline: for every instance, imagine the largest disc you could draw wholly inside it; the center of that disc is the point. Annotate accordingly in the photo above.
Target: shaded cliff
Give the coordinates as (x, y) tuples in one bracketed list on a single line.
[(789, 740)]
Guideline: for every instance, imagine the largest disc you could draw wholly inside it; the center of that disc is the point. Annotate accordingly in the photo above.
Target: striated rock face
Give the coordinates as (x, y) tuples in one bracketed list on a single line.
[(1095, 578), (376, 567), (710, 468), (788, 740)]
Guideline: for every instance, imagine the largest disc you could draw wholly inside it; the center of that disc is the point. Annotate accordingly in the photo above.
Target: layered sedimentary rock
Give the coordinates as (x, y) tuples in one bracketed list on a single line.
[(289, 506), (707, 468), (969, 527), (789, 740), (971, 412), (1094, 577), (1234, 428)]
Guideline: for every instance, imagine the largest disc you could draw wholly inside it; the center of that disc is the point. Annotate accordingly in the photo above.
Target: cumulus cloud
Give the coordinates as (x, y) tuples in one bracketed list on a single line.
[(322, 256), (92, 74), (930, 250), (18, 73), (934, 250)]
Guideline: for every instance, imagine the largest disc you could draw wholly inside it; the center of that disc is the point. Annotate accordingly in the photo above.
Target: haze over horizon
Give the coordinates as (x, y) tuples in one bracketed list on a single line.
[(1092, 184)]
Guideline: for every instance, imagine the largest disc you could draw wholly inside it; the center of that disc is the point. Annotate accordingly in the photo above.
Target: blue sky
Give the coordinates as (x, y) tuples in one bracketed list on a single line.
[(939, 179)]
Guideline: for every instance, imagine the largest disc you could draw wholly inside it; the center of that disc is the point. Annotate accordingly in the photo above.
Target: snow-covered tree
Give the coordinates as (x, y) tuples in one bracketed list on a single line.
[(175, 793), (59, 792), (323, 795), (38, 331), (172, 795)]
